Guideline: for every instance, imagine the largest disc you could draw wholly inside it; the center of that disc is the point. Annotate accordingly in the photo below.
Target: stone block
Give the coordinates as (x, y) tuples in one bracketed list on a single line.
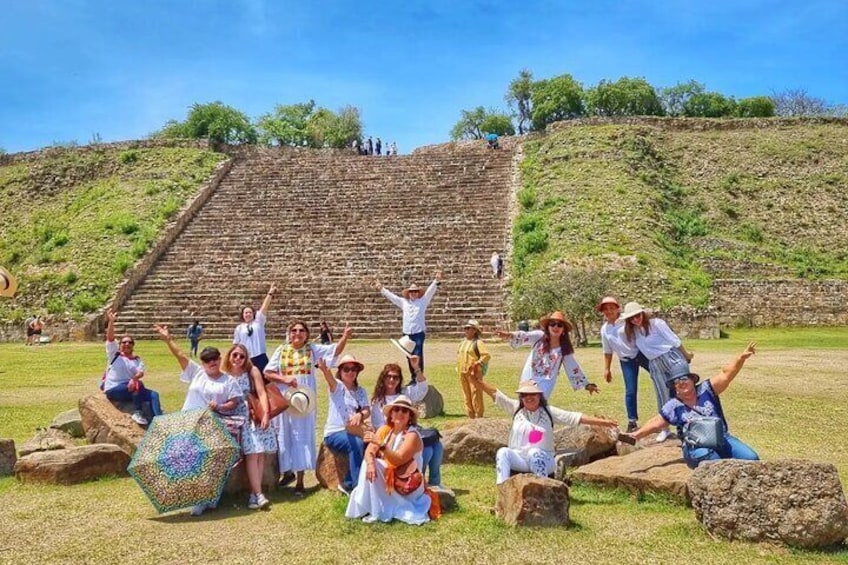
[(104, 423), (447, 498), (795, 502), (70, 422), (330, 469), (527, 500), (432, 405), (71, 466), (238, 482), (47, 440), (8, 457)]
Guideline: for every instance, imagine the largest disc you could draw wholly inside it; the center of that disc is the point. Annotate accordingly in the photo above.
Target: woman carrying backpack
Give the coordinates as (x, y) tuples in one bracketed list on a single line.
[(471, 361)]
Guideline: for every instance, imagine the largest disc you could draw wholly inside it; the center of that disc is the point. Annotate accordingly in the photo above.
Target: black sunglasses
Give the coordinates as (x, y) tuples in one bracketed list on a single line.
[(556, 324)]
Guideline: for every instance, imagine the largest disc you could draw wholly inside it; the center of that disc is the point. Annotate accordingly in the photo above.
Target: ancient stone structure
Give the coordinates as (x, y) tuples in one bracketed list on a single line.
[(332, 221), (795, 502), (71, 466), (782, 302), (527, 500)]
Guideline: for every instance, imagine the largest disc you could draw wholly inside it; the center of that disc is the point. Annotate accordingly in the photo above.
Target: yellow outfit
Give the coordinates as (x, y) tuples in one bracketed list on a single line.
[(467, 366)]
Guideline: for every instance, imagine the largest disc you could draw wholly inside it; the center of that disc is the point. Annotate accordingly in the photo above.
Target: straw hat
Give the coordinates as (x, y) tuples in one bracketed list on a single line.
[(558, 316), (473, 324), (528, 387), (404, 402), (405, 344), (8, 283), (348, 359), (412, 288), (607, 300), (301, 401), (630, 310)]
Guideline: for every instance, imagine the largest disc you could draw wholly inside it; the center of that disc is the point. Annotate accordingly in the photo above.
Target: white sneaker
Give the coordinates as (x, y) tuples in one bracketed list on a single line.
[(341, 488), (252, 502), (198, 509), (663, 435), (261, 501), (139, 419)]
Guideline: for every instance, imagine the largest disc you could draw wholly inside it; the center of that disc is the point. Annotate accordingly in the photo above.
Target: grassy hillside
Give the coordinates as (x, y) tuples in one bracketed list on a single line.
[(72, 222), (662, 212)]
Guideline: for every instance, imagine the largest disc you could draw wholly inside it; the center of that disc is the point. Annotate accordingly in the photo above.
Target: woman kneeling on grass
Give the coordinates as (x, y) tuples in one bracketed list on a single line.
[(691, 401), (531, 440), (208, 386), (391, 485)]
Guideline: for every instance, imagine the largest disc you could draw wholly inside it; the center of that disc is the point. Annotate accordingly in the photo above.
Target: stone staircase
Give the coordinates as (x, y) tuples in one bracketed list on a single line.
[(322, 224)]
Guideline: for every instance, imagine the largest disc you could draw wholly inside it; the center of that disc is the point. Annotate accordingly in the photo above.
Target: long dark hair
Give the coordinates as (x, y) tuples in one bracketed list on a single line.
[(542, 403), (379, 395), (630, 327), (565, 344)]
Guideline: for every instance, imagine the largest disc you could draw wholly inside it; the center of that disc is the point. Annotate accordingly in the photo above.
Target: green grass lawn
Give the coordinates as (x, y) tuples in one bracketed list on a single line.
[(787, 402)]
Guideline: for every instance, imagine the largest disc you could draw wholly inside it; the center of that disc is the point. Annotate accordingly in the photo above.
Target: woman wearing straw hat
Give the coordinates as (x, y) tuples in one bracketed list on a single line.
[(414, 307), (471, 360), (551, 352), (391, 485), (347, 411), (661, 346), (292, 366), (531, 439), (629, 357)]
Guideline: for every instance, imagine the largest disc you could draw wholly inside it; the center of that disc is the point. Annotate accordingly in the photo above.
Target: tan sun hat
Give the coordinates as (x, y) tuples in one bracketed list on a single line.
[(405, 344), (558, 316), (630, 310), (301, 401), (348, 359), (607, 300), (528, 387), (402, 401), (412, 288), (473, 324), (8, 283)]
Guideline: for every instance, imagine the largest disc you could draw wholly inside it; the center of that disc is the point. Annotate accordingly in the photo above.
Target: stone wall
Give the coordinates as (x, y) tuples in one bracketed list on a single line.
[(52, 152), (687, 322), (696, 124), (784, 302)]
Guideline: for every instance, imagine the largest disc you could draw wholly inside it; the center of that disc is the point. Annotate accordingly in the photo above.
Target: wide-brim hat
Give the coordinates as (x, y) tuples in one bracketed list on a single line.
[(558, 316), (348, 359), (405, 344), (630, 310), (404, 402), (8, 283), (412, 288), (528, 387), (680, 371), (607, 300), (302, 401), (473, 324)]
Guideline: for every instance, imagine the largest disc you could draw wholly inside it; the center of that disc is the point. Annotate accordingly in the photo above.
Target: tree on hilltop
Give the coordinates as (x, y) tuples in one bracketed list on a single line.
[(755, 107), (624, 97), (303, 124), (709, 105), (518, 97), (214, 121), (476, 123), (796, 102), (286, 125), (673, 98), (330, 129), (555, 99)]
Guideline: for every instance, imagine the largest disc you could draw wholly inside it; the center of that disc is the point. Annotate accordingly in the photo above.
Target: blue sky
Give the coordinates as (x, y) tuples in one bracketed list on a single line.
[(70, 69)]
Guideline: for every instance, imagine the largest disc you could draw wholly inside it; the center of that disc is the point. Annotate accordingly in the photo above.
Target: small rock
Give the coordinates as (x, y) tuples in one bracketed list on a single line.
[(447, 497), (73, 465), (527, 500), (8, 457), (70, 422), (47, 440), (432, 405), (330, 468), (239, 483), (566, 459)]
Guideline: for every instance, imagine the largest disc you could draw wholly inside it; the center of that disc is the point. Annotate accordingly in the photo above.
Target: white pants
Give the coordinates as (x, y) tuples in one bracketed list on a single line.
[(537, 461)]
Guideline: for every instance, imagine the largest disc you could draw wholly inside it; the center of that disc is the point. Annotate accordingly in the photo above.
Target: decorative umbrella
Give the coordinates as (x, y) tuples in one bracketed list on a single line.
[(184, 459)]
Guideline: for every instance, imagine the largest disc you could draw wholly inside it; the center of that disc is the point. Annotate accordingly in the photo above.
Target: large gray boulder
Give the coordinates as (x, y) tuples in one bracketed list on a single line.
[(528, 500), (432, 405), (71, 466), (47, 440), (799, 503), (8, 457), (70, 422), (104, 423), (656, 469)]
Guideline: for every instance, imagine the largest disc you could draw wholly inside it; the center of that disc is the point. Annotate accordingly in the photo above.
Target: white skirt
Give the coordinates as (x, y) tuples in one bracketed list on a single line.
[(371, 501)]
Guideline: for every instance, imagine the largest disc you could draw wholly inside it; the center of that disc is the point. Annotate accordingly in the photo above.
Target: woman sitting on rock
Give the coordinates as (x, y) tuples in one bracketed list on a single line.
[(391, 485), (691, 401), (387, 389), (531, 440)]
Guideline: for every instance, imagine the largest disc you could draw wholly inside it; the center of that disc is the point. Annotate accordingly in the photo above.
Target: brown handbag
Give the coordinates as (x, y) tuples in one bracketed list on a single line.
[(276, 402)]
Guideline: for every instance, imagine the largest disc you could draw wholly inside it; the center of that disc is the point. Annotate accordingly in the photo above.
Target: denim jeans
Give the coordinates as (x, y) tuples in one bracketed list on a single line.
[(344, 443), (432, 457), (419, 350), (630, 371), (120, 393), (733, 449)]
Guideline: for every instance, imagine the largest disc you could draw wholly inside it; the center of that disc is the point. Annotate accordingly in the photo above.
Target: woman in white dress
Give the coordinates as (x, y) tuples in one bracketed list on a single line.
[(256, 439), (531, 439), (552, 351), (251, 331), (390, 485), (293, 365)]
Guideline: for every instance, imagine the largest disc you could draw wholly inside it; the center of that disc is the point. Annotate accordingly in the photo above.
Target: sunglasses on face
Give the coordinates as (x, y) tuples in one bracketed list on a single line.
[(392, 377), (237, 356), (211, 361), (556, 324), (127, 342), (297, 330), (400, 409), (349, 369)]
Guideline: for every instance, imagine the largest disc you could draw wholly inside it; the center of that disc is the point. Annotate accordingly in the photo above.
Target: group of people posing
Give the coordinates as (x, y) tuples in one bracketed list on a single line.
[(394, 465)]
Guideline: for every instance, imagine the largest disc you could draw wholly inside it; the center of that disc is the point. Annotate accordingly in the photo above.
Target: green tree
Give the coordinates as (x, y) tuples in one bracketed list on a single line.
[(326, 128), (674, 97), (518, 98), (755, 107), (624, 97), (286, 125), (709, 105), (555, 99), (476, 123), (215, 121)]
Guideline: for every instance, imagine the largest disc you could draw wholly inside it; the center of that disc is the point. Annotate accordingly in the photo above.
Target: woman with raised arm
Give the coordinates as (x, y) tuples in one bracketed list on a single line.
[(122, 380), (661, 346), (391, 485), (208, 386), (691, 401), (531, 440), (552, 351), (347, 412), (251, 331), (256, 439), (293, 365)]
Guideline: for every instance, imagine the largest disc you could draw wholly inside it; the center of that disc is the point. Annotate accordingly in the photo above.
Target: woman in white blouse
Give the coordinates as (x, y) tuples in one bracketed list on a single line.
[(531, 439), (661, 346), (552, 351), (251, 331)]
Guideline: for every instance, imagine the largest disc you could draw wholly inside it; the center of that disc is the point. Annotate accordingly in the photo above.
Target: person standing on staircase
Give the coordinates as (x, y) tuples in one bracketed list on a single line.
[(414, 307), (251, 332)]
